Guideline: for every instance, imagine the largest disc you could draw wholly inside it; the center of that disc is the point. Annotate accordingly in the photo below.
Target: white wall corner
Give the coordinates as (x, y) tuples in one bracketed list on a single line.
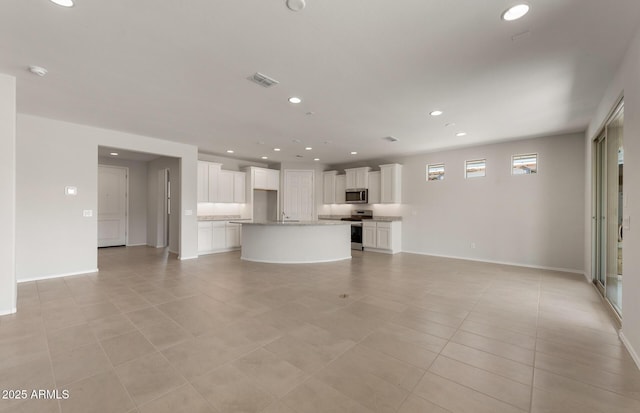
[(630, 348)]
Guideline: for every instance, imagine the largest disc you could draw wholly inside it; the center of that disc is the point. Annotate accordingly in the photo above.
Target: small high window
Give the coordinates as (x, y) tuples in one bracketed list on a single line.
[(475, 168), (435, 172), (524, 164)]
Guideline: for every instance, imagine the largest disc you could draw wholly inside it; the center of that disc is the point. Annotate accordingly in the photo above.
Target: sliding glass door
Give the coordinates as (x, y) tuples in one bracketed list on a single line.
[(608, 209)]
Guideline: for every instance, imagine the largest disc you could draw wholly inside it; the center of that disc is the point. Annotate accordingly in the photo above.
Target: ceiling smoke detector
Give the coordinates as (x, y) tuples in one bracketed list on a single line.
[(296, 5), (262, 80), (37, 70)]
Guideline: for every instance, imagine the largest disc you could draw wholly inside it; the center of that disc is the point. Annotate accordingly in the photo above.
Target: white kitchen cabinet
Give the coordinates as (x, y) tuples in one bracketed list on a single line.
[(225, 186), (391, 184), (239, 187), (203, 181), (357, 178), (382, 236), (341, 188), (205, 236), (219, 235), (369, 234), (208, 176), (329, 187), (374, 187), (233, 232), (266, 179)]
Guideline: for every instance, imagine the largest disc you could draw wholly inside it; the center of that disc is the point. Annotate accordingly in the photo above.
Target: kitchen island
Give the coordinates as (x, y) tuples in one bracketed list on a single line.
[(295, 242)]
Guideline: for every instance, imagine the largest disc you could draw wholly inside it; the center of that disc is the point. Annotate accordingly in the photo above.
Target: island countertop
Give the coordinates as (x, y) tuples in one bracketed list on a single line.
[(295, 242)]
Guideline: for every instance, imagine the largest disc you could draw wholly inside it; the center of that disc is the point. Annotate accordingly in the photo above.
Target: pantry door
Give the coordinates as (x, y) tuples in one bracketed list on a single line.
[(112, 206), (298, 195)]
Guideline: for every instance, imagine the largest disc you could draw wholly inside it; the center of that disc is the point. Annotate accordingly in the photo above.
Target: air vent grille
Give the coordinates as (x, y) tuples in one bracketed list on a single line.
[(262, 80), (391, 139)]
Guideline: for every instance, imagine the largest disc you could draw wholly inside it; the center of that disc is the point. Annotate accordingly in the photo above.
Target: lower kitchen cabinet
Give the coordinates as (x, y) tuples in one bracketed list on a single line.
[(382, 236), (218, 236)]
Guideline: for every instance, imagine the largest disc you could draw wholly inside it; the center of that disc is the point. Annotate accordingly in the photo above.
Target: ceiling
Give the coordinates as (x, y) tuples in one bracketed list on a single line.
[(365, 69), (106, 152)]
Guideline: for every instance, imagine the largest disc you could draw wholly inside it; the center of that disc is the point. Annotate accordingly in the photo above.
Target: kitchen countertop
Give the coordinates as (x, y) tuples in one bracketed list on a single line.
[(220, 218), (380, 218), (293, 223)]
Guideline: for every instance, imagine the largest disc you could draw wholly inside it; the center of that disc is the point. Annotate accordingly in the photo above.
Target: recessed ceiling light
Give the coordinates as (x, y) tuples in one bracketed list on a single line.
[(264, 157), (308, 148), (436, 113), (294, 99), (114, 154), (515, 12), (229, 151), (276, 149), (63, 3), (38, 70), (461, 134), (354, 153), (316, 159)]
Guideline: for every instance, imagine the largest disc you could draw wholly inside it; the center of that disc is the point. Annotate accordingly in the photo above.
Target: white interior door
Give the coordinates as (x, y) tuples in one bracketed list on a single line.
[(298, 195), (112, 206)]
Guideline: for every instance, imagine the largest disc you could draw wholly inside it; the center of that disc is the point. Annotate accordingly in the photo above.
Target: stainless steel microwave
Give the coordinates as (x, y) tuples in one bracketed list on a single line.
[(357, 196)]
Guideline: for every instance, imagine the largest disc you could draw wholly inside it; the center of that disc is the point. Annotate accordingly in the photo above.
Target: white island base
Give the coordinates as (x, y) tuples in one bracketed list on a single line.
[(296, 242)]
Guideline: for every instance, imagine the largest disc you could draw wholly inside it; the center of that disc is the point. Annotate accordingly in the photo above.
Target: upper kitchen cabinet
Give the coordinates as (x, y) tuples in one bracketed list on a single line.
[(231, 188), (374, 187), (391, 183), (329, 187), (264, 178), (341, 188), (358, 178), (216, 185), (208, 175)]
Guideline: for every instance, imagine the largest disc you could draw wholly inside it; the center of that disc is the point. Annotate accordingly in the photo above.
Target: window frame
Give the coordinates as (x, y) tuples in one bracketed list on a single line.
[(466, 168), (536, 154), (436, 164)]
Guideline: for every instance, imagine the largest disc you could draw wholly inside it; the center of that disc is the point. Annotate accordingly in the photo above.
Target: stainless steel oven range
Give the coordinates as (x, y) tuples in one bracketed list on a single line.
[(356, 219)]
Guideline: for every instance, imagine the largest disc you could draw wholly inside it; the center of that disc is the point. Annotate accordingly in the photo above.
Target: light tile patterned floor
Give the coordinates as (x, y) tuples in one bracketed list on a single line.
[(415, 334)]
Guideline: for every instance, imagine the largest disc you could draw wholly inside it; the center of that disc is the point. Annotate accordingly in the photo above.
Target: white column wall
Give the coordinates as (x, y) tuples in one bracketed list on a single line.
[(7, 193), (52, 154)]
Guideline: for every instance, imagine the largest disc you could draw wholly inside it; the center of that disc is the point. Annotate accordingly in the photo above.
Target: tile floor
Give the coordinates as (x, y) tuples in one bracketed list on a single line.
[(415, 334)]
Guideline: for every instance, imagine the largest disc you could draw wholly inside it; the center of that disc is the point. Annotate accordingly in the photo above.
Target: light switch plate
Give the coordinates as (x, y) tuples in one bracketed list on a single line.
[(188, 212), (70, 190), (626, 223), (87, 213)]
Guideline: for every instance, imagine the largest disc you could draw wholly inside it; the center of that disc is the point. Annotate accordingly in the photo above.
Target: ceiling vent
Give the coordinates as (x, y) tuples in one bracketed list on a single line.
[(262, 80), (391, 139)]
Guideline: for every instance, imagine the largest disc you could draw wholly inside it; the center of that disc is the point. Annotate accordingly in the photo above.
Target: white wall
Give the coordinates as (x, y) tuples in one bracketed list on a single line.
[(137, 198), (7, 193), (533, 220), (627, 82), (52, 154)]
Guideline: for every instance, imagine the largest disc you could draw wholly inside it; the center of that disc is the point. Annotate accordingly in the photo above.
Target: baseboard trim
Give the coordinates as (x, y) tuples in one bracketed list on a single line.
[(515, 264), (137, 245), (380, 251), (630, 348), (50, 276), (187, 258), (12, 311)]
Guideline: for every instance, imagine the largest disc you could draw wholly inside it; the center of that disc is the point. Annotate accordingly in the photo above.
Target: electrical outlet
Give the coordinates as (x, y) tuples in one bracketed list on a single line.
[(87, 213)]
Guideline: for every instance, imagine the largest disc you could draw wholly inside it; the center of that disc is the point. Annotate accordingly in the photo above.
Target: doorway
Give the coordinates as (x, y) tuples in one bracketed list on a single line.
[(298, 195), (112, 205), (608, 207)]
